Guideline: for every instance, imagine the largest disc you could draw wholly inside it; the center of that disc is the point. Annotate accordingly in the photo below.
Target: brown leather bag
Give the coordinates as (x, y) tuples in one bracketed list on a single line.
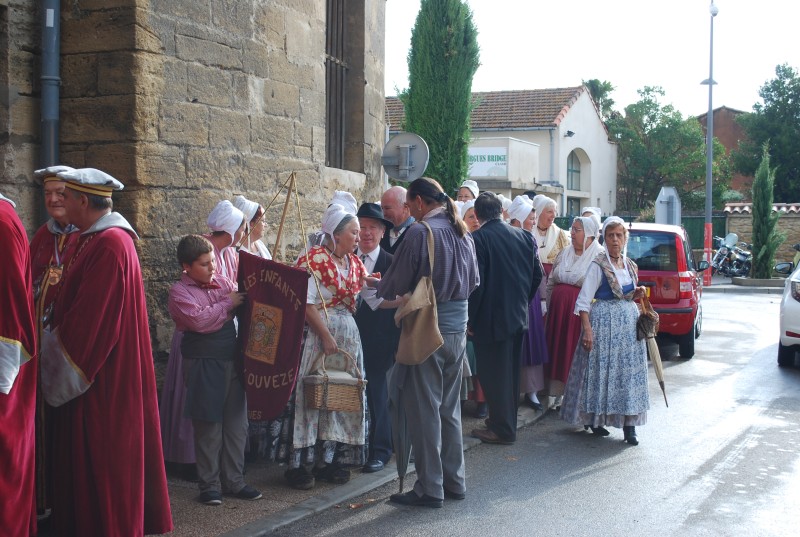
[(418, 320)]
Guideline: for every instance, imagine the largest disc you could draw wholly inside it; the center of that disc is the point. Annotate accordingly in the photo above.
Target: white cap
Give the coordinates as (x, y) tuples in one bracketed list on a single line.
[(520, 208), (466, 206), (225, 217), (472, 186), (51, 173), (90, 181), (346, 201), (334, 214), (249, 208)]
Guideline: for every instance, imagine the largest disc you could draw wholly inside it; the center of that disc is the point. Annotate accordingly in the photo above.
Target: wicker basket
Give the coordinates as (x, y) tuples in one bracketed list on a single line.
[(333, 390)]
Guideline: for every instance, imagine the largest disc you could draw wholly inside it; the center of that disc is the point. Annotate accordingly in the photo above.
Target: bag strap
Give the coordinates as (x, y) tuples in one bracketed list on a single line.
[(430, 244)]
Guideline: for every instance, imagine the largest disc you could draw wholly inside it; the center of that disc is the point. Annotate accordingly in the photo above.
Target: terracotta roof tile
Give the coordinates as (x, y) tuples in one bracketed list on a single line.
[(507, 109), (747, 208)]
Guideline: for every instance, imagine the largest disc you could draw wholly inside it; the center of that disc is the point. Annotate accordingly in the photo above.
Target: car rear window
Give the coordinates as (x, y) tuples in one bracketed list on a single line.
[(652, 250)]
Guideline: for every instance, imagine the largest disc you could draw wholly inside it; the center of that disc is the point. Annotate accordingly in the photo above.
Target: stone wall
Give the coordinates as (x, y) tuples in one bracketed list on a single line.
[(20, 40), (189, 102), (742, 225)]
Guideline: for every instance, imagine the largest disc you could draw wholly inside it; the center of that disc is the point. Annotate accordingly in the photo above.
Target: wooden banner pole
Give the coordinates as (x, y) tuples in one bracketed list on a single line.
[(289, 191)]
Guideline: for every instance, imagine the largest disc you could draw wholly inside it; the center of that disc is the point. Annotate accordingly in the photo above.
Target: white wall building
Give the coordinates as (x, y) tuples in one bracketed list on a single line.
[(551, 141)]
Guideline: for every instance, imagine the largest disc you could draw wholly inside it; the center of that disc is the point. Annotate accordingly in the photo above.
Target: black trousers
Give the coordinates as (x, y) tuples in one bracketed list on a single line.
[(499, 363), (380, 422)]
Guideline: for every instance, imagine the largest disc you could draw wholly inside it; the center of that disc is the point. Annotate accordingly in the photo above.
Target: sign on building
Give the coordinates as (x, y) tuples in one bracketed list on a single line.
[(488, 162)]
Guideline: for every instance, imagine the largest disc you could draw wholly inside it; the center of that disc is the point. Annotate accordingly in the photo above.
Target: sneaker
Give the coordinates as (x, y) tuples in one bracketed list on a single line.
[(248, 493), (211, 497)]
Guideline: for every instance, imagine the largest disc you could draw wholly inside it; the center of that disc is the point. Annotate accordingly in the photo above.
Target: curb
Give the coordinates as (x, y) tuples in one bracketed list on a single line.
[(740, 289), (352, 489)]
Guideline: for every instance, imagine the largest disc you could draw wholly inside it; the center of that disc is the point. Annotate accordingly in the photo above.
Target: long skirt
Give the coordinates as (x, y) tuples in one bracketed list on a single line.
[(306, 436), (534, 349), (608, 386), (177, 433), (563, 332)]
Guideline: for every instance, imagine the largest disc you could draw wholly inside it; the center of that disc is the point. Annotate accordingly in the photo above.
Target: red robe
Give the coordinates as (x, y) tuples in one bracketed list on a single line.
[(17, 378), (51, 246), (97, 370)]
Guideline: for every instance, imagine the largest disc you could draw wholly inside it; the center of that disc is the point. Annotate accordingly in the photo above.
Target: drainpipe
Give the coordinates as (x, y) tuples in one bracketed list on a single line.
[(51, 81)]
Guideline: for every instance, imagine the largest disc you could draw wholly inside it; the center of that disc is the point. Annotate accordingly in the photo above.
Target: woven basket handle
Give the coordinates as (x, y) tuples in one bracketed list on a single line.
[(320, 361)]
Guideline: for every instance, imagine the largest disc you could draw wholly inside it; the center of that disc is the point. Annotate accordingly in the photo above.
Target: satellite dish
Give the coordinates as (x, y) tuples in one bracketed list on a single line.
[(405, 157)]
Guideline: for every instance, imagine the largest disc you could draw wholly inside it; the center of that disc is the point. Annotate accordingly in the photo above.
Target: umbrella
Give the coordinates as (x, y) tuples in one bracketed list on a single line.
[(400, 438), (658, 367), (647, 328)]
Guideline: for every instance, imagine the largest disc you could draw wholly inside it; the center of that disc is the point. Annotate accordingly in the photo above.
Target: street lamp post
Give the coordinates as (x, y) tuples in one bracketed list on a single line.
[(714, 10)]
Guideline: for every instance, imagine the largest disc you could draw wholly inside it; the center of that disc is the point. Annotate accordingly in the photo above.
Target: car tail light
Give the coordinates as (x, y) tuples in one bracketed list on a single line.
[(795, 290), (685, 284), (684, 276)]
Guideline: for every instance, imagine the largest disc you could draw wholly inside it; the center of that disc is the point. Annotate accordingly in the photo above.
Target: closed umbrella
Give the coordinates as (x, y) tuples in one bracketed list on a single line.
[(647, 328), (400, 439)]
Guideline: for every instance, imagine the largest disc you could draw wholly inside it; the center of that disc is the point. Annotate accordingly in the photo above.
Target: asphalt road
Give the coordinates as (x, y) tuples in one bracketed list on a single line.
[(721, 460)]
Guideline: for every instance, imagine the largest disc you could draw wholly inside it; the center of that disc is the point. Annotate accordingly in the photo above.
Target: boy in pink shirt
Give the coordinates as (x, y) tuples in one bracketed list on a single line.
[(202, 304)]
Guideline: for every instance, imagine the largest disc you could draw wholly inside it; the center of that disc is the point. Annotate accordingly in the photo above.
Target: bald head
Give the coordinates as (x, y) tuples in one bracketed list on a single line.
[(393, 203)]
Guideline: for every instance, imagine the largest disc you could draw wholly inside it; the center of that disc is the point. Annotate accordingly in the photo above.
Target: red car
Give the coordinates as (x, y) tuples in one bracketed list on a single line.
[(667, 266)]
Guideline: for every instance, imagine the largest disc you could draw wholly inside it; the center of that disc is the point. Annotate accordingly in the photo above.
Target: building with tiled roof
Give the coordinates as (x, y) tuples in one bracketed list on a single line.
[(729, 132), (552, 141)]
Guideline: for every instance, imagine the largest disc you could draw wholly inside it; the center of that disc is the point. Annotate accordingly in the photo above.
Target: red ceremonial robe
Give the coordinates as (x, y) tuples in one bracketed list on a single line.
[(17, 378), (51, 248), (97, 370)]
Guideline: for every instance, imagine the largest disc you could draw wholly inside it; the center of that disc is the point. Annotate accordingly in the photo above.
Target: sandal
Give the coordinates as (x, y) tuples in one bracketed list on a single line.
[(332, 473), (299, 478)]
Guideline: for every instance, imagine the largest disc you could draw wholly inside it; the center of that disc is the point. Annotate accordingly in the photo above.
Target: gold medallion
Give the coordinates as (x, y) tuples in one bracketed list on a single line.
[(54, 274)]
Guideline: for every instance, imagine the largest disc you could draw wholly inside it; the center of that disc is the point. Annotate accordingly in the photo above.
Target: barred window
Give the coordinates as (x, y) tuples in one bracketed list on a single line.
[(335, 83)]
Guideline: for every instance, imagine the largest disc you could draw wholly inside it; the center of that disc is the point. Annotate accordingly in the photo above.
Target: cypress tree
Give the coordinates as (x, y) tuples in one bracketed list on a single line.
[(443, 58), (766, 238)]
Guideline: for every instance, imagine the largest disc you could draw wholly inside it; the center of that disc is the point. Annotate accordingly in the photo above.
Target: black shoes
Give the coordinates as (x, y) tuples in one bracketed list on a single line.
[(248, 493), (372, 466), (210, 497), (630, 435), (300, 478), (599, 431), (411, 498), (533, 404), (450, 495), (482, 410), (332, 473)]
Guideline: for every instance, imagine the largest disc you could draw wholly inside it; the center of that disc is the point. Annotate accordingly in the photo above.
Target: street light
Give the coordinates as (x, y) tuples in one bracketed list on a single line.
[(714, 10)]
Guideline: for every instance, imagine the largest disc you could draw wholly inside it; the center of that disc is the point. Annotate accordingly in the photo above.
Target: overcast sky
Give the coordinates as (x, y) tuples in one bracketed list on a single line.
[(534, 44)]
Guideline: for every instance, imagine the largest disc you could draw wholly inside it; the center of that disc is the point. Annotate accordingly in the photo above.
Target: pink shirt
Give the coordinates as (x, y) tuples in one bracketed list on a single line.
[(200, 309)]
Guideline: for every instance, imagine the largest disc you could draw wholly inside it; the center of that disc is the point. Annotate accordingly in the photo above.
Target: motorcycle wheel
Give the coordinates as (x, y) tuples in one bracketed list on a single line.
[(745, 270)]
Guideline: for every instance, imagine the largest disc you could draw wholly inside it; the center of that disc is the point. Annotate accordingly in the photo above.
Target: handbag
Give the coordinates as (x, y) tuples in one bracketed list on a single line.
[(418, 320), (338, 391), (647, 323)]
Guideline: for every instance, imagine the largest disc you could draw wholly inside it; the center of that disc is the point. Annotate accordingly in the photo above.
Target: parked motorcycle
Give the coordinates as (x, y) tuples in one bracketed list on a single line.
[(732, 258)]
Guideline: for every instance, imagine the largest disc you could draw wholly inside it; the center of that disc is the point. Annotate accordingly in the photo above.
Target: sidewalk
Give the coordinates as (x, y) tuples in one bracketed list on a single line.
[(283, 505), (721, 284)]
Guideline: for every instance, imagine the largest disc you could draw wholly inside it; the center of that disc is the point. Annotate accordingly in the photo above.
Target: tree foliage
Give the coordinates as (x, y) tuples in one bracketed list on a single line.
[(601, 95), (776, 121), (443, 59), (657, 147), (766, 238)]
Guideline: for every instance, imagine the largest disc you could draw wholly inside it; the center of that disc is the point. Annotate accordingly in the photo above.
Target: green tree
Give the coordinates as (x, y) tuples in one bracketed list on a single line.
[(443, 59), (657, 147), (766, 238), (601, 95), (775, 121)]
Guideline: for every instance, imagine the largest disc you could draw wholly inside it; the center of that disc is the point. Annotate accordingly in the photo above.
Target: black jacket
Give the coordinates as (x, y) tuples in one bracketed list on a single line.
[(510, 275), (379, 335)]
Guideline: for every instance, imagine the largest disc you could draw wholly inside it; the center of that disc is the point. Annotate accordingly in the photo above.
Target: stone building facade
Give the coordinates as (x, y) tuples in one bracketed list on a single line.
[(189, 102)]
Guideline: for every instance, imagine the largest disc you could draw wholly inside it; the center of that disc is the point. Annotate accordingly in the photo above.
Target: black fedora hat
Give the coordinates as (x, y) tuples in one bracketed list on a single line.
[(374, 211)]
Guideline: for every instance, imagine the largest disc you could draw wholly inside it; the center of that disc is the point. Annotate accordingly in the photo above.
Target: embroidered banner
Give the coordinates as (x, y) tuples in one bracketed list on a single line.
[(270, 332)]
